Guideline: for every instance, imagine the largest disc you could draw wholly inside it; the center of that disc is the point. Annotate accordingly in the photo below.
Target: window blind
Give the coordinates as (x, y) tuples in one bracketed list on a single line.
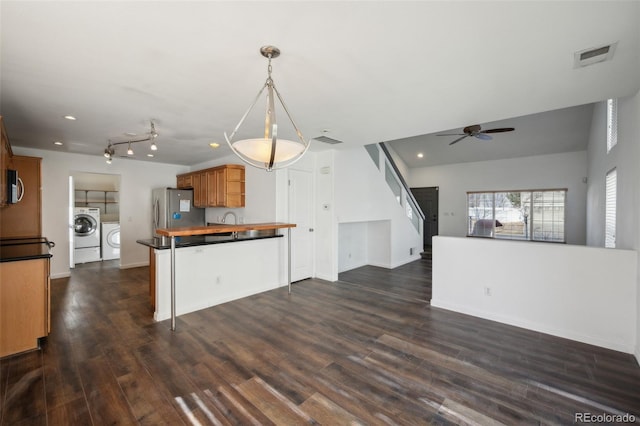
[(610, 209), (612, 123)]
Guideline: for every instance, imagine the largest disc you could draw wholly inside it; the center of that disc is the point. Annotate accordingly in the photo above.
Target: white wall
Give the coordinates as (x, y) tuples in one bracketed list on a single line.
[(137, 180), (539, 172), (260, 190), (361, 196), (625, 157), (218, 273), (581, 293), (326, 235), (353, 241)]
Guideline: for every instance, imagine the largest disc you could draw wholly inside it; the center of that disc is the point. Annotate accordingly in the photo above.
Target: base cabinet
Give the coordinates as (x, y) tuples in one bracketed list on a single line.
[(24, 305)]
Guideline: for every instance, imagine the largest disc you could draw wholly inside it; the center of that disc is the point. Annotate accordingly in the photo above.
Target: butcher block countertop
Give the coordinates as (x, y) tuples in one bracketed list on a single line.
[(221, 229)]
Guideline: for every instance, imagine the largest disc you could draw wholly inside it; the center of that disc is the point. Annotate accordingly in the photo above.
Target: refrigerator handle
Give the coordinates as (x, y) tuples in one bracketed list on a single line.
[(156, 213)]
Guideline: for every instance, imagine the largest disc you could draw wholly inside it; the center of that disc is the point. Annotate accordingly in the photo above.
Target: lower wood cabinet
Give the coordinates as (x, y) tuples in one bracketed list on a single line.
[(24, 304)]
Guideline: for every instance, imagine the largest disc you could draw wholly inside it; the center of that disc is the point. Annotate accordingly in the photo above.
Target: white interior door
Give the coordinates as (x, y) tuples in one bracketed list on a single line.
[(300, 213)]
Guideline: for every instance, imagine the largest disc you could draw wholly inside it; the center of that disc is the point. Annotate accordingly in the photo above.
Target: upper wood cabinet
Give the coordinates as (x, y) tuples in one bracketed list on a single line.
[(221, 186), (5, 163), (230, 184), (24, 218)]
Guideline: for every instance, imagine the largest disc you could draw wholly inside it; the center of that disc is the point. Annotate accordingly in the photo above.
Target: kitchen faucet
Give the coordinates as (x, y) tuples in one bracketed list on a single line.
[(235, 218)]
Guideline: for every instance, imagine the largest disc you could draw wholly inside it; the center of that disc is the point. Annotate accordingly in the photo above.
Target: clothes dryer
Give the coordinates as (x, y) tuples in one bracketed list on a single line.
[(110, 240)]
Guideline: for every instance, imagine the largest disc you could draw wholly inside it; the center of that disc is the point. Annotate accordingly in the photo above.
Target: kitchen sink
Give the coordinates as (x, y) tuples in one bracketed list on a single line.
[(253, 233), (256, 233)]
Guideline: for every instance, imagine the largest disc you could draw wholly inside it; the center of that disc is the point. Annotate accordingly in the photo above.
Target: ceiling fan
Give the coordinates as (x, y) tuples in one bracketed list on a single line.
[(477, 132)]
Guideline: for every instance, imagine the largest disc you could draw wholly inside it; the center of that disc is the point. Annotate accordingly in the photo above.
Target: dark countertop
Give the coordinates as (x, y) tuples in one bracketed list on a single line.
[(15, 249), (163, 243)]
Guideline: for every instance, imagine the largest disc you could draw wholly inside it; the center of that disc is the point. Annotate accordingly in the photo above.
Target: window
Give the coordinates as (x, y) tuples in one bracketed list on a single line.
[(612, 123), (518, 215), (610, 209)]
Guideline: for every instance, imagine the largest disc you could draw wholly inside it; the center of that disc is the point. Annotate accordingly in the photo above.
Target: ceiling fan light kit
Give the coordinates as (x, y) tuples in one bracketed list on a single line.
[(477, 132), (110, 150), (268, 152)]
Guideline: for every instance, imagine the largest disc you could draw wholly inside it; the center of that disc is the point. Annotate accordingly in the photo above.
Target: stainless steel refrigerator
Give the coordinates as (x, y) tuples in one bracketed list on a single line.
[(174, 208)]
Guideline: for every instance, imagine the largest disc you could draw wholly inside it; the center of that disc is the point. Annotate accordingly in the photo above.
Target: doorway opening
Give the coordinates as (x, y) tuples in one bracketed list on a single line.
[(427, 199), (94, 218)]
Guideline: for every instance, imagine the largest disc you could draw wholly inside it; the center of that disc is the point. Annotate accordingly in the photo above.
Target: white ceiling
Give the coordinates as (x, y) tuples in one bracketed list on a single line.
[(365, 71)]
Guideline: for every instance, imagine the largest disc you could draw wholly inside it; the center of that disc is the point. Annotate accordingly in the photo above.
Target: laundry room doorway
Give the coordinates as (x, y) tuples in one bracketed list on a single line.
[(94, 217)]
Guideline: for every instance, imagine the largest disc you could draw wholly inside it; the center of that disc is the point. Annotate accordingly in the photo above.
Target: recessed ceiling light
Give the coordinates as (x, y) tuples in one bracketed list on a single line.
[(214, 145), (57, 143), (420, 155), (149, 155), (70, 117)]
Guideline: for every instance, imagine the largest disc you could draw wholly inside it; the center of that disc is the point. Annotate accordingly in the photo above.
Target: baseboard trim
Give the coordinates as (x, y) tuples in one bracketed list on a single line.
[(134, 265), (534, 326), (60, 275)]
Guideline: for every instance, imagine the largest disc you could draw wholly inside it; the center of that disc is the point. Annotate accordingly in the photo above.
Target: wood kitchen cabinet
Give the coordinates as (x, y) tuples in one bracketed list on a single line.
[(24, 218), (222, 186), (185, 181), (24, 305), (230, 186), (5, 163)]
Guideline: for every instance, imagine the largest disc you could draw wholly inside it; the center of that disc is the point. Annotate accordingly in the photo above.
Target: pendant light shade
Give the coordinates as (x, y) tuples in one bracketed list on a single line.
[(269, 152)]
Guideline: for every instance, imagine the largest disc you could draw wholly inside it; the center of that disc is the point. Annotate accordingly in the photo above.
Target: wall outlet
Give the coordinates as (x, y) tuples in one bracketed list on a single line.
[(487, 291)]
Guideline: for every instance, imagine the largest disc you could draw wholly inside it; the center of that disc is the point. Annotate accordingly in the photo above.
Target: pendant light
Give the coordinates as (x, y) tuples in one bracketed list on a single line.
[(269, 152)]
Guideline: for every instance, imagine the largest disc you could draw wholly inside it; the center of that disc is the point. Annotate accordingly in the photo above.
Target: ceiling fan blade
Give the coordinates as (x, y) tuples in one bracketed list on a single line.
[(458, 140), (483, 136), (451, 134), (503, 129)]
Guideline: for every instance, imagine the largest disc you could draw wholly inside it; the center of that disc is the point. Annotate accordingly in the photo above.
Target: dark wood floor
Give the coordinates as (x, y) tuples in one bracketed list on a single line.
[(365, 350)]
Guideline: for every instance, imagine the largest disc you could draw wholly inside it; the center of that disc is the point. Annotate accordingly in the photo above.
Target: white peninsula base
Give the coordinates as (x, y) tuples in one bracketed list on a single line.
[(208, 275)]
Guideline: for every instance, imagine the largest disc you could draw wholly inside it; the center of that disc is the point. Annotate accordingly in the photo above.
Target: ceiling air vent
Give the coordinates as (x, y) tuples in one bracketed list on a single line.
[(327, 140), (593, 55)]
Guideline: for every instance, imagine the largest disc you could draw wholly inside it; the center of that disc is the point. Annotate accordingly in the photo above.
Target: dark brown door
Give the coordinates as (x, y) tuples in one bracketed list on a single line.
[(427, 199)]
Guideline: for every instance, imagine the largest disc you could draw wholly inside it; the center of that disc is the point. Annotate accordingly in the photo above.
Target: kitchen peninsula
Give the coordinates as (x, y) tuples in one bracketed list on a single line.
[(198, 267)]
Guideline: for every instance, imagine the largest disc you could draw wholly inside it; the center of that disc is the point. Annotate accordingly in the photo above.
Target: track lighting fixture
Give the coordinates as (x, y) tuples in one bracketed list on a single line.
[(151, 136)]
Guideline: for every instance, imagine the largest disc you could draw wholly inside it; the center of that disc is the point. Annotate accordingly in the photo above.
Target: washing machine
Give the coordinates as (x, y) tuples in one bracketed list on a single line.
[(86, 226), (110, 240)]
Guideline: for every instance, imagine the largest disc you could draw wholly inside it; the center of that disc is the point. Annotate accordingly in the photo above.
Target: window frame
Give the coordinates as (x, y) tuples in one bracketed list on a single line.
[(611, 207), (612, 123), (530, 235)]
